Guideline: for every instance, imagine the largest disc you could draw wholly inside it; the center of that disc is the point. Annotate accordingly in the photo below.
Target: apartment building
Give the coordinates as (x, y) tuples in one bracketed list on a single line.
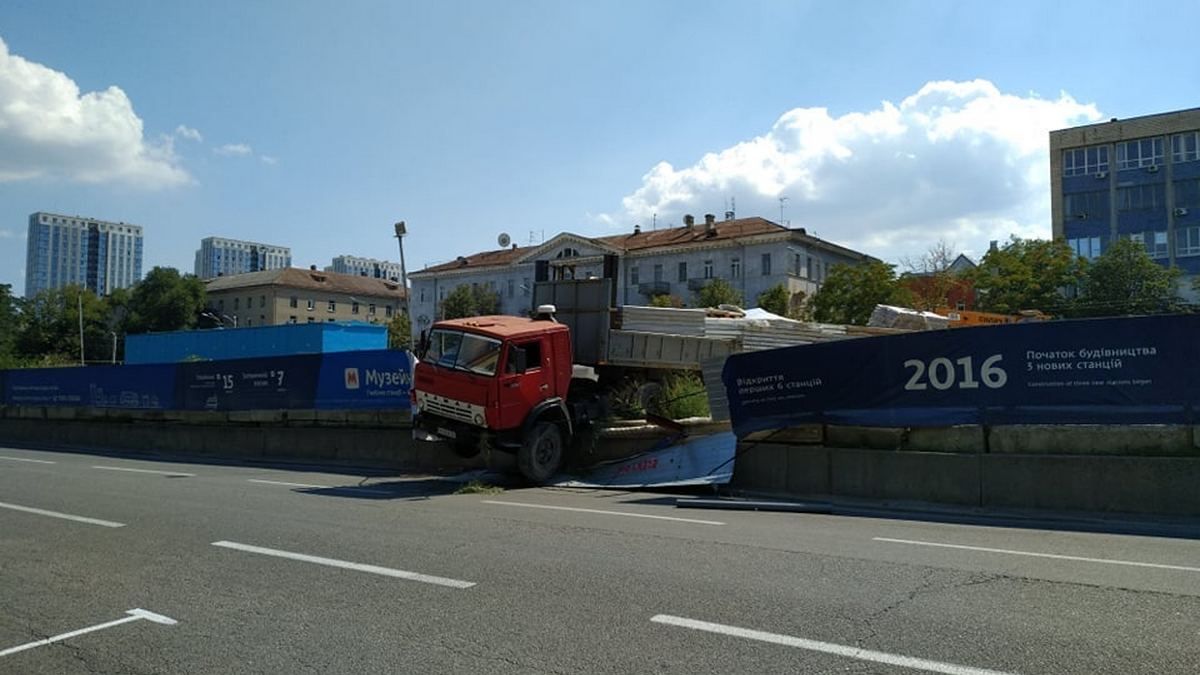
[(218, 256), (290, 295), (99, 255)]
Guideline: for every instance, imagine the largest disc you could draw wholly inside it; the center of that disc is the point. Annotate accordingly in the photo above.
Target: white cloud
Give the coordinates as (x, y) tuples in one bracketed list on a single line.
[(959, 161), (7, 234), (267, 159), (234, 150), (188, 133), (49, 130)]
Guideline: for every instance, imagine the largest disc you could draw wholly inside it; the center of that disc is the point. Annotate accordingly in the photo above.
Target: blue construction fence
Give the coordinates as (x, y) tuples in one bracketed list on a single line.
[(1135, 370), (371, 379)]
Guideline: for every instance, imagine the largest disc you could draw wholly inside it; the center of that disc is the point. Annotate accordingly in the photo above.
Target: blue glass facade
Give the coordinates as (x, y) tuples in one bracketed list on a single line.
[(98, 255)]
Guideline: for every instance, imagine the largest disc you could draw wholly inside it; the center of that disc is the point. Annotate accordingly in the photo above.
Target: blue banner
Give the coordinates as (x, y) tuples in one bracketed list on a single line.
[(129, 387), (285, 382), (364, 379), (1137, 370)]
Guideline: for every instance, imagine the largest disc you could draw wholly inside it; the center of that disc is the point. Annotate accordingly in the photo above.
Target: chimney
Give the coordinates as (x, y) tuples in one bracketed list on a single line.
[(514, 247), (689, 221), (710, 224), (994, 245), (729, 215), (637, 228), (312, 268)]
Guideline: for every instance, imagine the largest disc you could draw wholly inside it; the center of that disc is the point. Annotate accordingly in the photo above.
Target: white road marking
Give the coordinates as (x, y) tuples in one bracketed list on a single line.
[(160, 473), (606, 513), (23, 459), (359, 567), (1055, 556), (64, 516), (826, 647), (364, 490), (134, 615)]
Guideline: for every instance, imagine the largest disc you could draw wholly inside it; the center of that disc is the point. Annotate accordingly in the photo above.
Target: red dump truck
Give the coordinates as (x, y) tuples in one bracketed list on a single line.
[(524, 385)]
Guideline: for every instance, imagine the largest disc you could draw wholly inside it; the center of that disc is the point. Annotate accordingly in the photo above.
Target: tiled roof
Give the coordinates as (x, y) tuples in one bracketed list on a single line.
[(497, 258), (696, 234), (291, 277)]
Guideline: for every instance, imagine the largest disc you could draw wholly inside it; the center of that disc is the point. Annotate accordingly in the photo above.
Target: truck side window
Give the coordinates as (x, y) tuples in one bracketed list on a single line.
[(533, 357)]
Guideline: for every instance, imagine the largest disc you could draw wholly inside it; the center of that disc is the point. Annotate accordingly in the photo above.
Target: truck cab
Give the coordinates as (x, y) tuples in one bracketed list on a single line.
[(500, 382)]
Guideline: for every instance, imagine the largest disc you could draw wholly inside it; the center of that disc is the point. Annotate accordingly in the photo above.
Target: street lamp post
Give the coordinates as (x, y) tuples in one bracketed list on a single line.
[(114, 353), (401, 230)]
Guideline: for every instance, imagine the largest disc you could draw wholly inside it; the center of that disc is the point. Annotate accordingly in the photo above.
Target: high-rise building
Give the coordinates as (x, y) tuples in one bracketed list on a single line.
[(1136, 179), (219, 257), (365, 267), (93, 253)]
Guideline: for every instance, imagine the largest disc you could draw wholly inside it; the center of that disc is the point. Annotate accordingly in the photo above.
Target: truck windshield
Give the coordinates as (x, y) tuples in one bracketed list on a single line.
[(464, 351)]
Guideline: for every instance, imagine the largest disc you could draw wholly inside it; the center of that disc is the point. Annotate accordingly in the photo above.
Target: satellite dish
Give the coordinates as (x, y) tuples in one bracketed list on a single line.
[(504, 240)]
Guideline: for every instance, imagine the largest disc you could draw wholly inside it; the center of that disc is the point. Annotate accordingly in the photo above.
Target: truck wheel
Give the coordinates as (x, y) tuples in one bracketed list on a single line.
[(541, 453)]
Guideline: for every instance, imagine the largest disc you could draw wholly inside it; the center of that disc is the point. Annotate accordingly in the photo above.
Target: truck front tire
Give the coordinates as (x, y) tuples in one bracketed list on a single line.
[(541, 453)]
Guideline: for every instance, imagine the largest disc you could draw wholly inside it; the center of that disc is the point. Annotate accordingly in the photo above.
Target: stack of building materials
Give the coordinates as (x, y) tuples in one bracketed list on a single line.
[(888, 316), (667, 320)]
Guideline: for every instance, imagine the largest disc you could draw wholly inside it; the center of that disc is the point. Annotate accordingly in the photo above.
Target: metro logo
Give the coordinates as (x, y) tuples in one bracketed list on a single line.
[(352, 378)]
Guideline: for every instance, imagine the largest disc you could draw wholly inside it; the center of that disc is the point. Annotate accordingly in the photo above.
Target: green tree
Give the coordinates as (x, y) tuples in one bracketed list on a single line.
[(400, 332), (1125, 280), (164, 300), (718, 292), (775, 300), (465, 301), (1027, 274), (49, 327), (850, 293), (9, 326)]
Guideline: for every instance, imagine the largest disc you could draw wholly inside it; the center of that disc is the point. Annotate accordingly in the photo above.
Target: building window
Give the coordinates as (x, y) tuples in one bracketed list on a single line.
[(708, 269), (1185, 147), (766, 264), (1187, 241), (658, 272), (291, 319), (354, 307), (512, 287), (525, 286), (1142, 197), (371, 309), (262, 301), (330, 320), (312, 304), (249, 322), (1087, 247), (221, 305), (1187, 194), (387, 311), (422, 295), (1144, 152), (1084, 161), (683, 271), (293, 302), (809, 271), (332, 306), (1086, 206), (236, 303), (1155, 242), (735, 268), (633, 276), (311, 320)]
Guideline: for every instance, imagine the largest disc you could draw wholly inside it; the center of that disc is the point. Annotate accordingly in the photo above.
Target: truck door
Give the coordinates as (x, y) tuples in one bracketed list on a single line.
[(521, 390)]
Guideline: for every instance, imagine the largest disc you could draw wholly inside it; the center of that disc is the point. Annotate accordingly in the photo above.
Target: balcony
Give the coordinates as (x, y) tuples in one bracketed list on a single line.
[(653, 288)]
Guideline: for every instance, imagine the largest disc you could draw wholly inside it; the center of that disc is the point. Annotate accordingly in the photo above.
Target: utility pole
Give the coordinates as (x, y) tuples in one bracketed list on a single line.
[(114, 354), (79, 298), (401, 230)]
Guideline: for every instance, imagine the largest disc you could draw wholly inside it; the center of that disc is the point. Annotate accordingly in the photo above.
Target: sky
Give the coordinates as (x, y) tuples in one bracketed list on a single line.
[(885, 126)]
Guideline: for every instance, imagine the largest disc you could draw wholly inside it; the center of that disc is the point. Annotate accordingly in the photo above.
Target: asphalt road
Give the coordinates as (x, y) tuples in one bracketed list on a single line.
[(242, 569)]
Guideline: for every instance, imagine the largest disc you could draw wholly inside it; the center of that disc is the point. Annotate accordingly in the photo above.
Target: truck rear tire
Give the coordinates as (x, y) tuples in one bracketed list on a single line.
[(541, 453)]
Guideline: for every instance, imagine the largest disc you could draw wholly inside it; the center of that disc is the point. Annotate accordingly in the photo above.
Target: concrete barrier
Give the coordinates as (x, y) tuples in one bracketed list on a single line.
[(1150, 440)]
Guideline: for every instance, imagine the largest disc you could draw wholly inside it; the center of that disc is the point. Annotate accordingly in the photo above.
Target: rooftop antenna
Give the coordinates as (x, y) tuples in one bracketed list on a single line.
[(733, 206), (655, 221), (781, 201)]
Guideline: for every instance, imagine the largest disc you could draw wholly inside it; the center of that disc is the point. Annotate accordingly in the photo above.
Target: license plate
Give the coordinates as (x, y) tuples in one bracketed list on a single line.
[(446, 433)]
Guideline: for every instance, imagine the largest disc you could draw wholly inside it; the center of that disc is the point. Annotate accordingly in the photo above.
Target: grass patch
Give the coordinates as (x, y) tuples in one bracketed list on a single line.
[(478, 488)]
